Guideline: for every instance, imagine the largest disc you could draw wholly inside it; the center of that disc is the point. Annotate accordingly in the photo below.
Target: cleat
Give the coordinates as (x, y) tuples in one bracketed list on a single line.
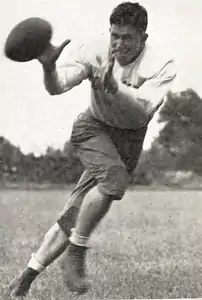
[(73, 269), (20, 286)]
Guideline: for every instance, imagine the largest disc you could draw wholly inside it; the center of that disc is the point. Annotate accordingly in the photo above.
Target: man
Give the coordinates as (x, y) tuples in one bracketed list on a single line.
[(128, 84)]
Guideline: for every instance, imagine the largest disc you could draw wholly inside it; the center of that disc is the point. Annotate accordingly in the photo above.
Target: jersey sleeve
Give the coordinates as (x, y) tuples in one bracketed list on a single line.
[(153, 91), (150, 95), (76, 69)]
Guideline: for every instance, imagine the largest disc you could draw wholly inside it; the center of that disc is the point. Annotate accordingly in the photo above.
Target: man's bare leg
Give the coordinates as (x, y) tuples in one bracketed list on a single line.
[(54, 244), (55, 241), (93, 209), (92, 212)]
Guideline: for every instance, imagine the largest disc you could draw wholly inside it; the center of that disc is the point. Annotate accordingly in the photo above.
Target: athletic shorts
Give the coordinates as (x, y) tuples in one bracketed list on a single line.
[(109, 156)]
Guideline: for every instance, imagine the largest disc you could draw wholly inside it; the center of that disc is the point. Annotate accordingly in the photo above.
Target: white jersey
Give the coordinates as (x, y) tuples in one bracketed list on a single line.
[(142, 84)]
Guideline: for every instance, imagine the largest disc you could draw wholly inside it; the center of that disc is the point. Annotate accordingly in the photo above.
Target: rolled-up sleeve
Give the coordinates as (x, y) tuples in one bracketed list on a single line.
[(150, 95), (73, 72)]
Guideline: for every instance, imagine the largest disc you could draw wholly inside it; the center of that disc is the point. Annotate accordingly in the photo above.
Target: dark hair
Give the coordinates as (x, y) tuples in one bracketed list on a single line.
[(128, 13)]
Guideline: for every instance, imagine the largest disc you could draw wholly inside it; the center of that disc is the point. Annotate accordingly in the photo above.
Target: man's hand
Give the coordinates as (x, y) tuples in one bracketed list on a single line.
[(104, 79), (51, 54)]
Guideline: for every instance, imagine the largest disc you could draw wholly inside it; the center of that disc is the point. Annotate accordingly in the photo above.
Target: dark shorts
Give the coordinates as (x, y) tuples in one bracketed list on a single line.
[(108, 154)]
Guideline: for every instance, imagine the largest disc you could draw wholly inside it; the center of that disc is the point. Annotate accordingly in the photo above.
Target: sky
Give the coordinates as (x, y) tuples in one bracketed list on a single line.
[(31, 118)]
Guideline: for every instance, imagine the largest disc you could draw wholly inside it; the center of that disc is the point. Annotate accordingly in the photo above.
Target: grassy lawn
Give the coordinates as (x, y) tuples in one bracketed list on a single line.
[(149, 245)]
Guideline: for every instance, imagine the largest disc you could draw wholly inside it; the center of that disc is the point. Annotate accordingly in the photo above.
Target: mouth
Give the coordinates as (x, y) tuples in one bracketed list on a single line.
[(122, 53)]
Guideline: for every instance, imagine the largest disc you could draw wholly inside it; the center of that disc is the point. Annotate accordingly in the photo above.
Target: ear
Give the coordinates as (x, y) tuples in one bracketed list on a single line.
[(145, 37)]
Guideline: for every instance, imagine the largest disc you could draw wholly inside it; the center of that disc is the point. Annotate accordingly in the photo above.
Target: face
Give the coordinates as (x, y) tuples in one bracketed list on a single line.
[(127, 41)]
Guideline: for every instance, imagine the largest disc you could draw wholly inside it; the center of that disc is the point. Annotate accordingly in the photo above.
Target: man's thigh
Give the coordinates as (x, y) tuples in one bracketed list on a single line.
[(129, 144), (85, 183), (93, 145), (99, 155), (105, 155)]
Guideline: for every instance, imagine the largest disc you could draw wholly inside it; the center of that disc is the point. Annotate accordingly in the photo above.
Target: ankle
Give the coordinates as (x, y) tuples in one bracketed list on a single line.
[(79, 240), (30, 273), (35, 265), (76, 249)]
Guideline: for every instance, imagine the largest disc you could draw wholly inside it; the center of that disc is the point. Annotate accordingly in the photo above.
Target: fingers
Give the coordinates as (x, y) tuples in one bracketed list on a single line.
[(111, 64), (104, 80), (111, 60), (98, 83), (64, 44), (109, 70), (52, 53), (49, 48)]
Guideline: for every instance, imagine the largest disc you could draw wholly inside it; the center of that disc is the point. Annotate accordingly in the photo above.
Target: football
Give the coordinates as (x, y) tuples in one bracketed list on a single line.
[(28, 39)]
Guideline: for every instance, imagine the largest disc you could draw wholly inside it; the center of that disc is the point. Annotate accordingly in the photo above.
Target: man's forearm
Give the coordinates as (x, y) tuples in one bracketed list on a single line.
[(51, 81)]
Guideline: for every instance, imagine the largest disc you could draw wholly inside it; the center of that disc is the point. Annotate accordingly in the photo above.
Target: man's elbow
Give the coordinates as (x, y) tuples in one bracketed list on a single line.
[(54, 92)]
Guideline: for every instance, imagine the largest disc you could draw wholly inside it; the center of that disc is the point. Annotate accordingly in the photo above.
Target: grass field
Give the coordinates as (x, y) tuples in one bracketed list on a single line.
[(149, 246)]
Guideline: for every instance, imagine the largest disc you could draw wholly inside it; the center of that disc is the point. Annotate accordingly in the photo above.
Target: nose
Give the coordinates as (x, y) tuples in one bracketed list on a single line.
[(119, 43)]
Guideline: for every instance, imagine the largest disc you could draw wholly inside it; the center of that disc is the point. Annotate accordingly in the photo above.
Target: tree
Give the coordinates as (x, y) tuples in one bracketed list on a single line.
[(181, 139)]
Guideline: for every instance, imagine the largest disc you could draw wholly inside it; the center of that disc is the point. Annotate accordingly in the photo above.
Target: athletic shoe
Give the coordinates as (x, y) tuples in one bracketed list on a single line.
[(73, 269), (20, 286)]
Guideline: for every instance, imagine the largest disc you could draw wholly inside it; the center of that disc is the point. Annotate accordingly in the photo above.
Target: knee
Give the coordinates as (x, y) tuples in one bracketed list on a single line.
[(114, 182), (67, 219)]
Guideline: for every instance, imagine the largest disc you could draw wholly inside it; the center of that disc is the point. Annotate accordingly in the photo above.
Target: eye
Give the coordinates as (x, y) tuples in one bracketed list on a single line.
[(115, 36), (127, 37)]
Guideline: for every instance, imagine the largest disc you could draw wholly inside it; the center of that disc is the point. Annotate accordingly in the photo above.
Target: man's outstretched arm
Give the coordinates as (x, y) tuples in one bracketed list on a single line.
[(58, 80), (64, 78)]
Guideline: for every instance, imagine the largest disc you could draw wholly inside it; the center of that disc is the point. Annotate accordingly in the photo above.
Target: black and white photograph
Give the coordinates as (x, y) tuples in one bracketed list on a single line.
[(100, 149)]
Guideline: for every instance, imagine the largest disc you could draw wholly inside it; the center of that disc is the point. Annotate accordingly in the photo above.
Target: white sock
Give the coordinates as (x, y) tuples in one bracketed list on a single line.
[(78, 240), (34, 264)]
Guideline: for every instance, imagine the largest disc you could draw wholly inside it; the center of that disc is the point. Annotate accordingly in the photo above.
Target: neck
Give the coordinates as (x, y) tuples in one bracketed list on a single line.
[(137, 54)]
